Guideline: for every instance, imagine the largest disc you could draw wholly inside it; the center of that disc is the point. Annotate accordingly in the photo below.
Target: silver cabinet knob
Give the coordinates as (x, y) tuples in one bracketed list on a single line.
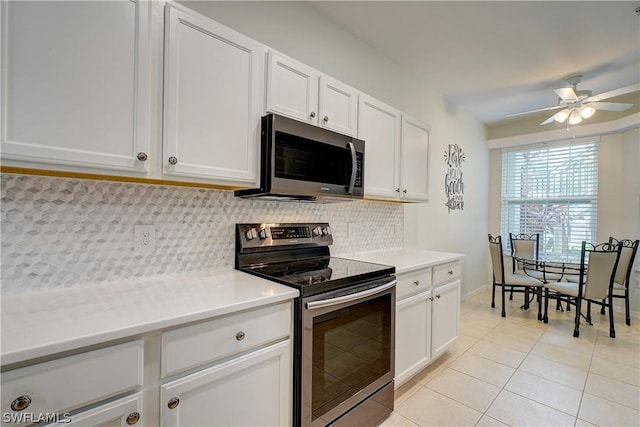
[(417, 283), (430, 298), (21, 403), (397, 190), (142, 156), (450, 272), (438, 296), (325, 119), (404, 191), (173, 403), (173, 160), (240, 336), (312, 114), (133, 418)]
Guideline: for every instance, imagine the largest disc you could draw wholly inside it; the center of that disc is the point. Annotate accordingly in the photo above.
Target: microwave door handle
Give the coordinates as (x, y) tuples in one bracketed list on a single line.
[(354, 167), (351, 297)]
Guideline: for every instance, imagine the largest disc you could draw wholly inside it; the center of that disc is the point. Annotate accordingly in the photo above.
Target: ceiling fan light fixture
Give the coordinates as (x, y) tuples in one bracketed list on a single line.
[(575, 117), (587, 111), (561, 116)]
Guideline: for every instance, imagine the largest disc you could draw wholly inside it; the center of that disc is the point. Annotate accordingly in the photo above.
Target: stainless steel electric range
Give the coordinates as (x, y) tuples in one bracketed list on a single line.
[(344, 322)]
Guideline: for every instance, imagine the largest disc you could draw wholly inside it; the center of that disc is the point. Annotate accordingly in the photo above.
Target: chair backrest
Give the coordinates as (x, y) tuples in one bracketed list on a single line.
[(495, 249), (601, 271), (627, 256), (524, 245)]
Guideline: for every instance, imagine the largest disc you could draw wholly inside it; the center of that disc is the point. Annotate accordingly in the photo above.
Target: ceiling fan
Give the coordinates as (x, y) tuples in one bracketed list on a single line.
[(577, 105)]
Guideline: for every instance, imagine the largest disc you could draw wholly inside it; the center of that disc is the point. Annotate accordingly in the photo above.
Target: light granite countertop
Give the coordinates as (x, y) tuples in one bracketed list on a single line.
[(39, 324)]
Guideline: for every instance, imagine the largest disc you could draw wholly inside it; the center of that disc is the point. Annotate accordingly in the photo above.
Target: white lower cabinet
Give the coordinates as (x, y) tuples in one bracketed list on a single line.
[(413, 327), (445, 317), (57, 390), (250, 390), (122, 412), (427, 317)]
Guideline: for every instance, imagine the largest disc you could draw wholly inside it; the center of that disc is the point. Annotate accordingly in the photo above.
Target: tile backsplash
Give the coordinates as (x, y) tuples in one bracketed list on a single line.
[(60, 232)]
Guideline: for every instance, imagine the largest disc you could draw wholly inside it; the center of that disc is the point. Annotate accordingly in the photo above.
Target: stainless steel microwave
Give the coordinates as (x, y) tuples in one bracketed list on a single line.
[(299, 161)]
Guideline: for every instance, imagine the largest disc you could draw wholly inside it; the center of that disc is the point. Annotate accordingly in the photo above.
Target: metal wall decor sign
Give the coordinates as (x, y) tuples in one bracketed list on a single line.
[(453, 185)]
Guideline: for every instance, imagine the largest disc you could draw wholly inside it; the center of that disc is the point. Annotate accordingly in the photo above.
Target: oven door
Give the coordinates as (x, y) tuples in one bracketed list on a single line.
[(348, 341)]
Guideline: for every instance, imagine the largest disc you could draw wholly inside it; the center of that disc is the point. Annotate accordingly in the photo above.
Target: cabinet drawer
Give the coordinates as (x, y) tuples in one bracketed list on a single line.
[(74, 381), (413, 282), (446, 272), (195, 345)]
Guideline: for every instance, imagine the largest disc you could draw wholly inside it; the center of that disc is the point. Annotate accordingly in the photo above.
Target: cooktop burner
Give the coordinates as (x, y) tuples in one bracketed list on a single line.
[(298, 255)]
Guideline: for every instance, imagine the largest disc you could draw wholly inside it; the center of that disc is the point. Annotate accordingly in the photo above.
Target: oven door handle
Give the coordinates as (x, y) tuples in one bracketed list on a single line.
[(351, 297)]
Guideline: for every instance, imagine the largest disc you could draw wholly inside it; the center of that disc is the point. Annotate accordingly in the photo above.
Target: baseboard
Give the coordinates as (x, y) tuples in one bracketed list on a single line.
[(475, 292)]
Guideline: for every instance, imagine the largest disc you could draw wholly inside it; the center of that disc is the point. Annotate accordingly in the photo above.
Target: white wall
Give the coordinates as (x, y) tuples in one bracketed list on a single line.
[(298, 30), (618, 194)]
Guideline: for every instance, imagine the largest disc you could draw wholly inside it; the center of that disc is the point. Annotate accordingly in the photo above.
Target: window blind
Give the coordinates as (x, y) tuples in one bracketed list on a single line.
[(551, 190)]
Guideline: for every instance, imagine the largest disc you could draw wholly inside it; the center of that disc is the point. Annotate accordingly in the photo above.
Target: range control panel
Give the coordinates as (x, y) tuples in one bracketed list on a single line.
[(251, 236)]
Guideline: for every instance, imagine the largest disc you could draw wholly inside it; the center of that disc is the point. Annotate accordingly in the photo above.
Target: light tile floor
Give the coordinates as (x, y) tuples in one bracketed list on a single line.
[(518, 371)]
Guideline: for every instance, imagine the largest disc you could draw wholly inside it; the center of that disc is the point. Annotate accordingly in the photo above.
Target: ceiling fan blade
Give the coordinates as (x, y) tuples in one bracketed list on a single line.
[(611, 106), (566, 93), (549, 120), (616, 92), (555, 107)]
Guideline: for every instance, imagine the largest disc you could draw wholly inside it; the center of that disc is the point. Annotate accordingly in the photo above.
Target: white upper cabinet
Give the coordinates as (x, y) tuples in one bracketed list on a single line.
[(213, 97), (75, 86), (300, 92), (414, 161), (379, 126)]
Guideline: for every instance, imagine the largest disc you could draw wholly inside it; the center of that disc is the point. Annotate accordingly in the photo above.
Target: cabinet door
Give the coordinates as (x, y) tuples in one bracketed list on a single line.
[(75, 89), (122, 412), (445, 317), (379, 127), (292, 88), (413, 326), (338, 106), (415, 160), (212, 104), (251, 390)]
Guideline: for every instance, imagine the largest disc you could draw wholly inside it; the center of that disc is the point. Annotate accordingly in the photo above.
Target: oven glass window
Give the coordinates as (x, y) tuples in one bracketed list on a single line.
[(306, 160), (351, 349)]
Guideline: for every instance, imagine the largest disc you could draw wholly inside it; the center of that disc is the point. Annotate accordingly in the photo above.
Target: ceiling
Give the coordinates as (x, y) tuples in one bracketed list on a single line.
[(494, 58)]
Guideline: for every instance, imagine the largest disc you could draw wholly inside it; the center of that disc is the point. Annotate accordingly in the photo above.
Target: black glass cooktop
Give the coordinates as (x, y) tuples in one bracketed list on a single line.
[(317, 275)]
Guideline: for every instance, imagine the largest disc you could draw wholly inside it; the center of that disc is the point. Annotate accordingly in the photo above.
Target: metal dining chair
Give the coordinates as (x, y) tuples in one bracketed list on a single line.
[(595, 284), (528, 246), (623, 273), (506, 279)]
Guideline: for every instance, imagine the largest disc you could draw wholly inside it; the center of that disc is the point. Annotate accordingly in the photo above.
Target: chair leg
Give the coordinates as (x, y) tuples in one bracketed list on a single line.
[(612, 328), (576, 330), (545, 318), (589, 312), (526, 298), (504, 312), (604, 301), (493, 296), (539, 294), (626, 308), (511, 294), (568, 304)]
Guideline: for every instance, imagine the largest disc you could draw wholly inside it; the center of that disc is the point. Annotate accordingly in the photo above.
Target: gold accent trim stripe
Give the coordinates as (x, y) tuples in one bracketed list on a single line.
[(115, 178)]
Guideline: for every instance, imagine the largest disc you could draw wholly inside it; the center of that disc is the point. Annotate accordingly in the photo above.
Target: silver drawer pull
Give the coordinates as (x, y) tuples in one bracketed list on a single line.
[(21, 403), (133, 418), (173, 403), (240, 336)]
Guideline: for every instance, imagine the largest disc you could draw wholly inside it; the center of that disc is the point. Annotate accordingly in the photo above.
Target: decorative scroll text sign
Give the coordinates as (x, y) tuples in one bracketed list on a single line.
[(453, 185)]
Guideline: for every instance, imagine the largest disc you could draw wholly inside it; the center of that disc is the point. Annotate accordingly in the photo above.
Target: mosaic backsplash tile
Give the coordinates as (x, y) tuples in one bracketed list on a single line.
[(59, 232)]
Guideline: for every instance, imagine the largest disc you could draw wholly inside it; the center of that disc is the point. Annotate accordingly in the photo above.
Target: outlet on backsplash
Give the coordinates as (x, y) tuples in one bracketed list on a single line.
[(144, 239)]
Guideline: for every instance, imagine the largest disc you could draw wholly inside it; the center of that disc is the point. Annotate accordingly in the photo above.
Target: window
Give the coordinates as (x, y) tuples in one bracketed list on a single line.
[(551, 189)]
